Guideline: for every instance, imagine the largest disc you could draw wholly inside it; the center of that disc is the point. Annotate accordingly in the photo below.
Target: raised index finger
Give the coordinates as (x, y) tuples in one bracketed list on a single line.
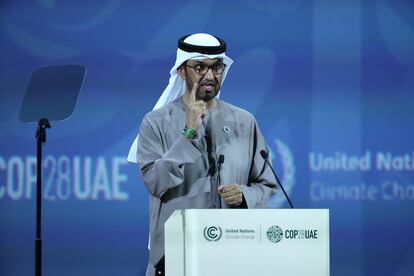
[(193, 93)]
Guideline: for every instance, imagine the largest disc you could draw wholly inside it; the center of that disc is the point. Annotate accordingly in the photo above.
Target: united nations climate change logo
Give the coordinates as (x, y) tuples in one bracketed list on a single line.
[(274, 234), (212, 233)]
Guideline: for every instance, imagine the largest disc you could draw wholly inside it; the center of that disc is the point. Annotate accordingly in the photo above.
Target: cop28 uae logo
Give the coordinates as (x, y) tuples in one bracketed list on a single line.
[(212, 233), (274, 234)]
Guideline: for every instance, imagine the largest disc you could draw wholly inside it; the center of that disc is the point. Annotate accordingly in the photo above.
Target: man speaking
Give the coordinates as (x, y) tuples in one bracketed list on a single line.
[(195, 151)]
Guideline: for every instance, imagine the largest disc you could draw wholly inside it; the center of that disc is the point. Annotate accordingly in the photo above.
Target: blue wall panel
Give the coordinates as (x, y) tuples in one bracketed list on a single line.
[(330, 82)]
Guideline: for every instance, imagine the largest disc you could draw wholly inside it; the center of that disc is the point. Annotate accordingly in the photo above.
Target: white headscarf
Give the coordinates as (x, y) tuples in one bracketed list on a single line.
[(176, 85)]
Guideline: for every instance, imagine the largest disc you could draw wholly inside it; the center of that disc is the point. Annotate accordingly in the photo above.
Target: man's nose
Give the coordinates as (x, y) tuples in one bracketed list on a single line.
[(209, 75)]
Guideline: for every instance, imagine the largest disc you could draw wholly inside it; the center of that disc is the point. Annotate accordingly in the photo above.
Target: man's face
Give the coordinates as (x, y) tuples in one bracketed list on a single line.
[(207, 73)]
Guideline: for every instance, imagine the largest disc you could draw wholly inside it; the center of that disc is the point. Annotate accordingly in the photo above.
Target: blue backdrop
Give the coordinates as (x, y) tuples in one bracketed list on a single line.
[(330, 82)]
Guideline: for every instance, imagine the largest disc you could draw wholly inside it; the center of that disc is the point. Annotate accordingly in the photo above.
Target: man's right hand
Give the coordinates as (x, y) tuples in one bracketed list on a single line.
[(196, 110)]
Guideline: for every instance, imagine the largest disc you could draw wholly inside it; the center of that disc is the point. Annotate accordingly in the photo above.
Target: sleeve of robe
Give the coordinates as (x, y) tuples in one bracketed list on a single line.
[(160, 169)]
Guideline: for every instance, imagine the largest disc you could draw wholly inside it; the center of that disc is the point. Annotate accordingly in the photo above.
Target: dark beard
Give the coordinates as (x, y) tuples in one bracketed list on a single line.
[(207, 97)]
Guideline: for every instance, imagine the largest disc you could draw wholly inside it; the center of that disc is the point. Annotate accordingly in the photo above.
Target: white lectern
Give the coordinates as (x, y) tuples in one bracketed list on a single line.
[(247, 242)]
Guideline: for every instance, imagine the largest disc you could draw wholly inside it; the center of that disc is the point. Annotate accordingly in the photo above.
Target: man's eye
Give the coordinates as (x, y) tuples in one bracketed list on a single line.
[(200, 67), (217, 66)]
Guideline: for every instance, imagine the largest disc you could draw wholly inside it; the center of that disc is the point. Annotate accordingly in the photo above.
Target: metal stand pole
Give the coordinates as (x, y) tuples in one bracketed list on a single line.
[(41, 139)]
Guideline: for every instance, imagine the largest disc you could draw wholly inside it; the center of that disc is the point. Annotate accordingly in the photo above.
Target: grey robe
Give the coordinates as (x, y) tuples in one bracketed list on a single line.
[(175, 170)]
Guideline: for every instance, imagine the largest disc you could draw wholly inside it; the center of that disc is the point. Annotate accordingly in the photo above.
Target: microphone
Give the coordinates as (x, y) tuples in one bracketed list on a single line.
[(220, 162), (265, 156), (210, 155)]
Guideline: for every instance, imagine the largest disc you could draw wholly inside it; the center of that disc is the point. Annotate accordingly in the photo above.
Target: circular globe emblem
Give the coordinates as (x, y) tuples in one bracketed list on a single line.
[(212, 233), (274, 234), (285, 157)]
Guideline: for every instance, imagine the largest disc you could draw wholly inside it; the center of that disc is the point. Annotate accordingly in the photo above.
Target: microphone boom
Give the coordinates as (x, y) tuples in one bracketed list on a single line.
[(265, 156)]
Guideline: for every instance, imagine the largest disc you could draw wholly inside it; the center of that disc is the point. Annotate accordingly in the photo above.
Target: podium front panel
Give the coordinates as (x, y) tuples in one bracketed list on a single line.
[(246, 242)]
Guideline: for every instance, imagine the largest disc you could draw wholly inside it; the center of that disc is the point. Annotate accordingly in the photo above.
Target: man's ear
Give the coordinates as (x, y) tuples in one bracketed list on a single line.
[(181, 72)]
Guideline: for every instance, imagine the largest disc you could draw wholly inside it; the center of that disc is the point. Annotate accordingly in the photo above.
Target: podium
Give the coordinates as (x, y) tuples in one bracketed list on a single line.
[(247, 242)]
